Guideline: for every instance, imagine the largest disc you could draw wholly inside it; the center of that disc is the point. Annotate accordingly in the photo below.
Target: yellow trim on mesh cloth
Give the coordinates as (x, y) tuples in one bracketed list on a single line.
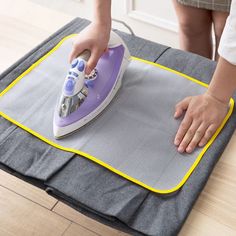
[(90, 157)]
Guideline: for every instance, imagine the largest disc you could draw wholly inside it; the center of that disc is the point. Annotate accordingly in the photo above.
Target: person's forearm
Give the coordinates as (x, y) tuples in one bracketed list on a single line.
[(223, 83), (102, 12)]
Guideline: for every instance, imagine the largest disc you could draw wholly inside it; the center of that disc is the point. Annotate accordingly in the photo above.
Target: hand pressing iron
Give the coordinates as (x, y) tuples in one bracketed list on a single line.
[(85, 97)]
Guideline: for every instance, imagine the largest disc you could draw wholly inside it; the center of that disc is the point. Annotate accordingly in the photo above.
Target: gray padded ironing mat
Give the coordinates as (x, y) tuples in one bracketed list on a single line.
[(93, 190), (135, 135)]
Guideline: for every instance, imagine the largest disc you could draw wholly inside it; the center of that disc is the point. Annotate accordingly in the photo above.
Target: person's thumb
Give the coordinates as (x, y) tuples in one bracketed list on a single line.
[(76, 50), (181, 107)]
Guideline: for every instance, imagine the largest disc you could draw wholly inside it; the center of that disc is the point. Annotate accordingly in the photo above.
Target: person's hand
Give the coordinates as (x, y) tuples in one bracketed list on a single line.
[(204, 114), (95, 38)]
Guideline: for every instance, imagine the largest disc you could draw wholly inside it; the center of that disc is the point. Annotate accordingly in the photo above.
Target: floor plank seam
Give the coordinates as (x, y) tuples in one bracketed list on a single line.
[(76, 222), (214, 219), (24, 197), (63, 233), (54, 206)]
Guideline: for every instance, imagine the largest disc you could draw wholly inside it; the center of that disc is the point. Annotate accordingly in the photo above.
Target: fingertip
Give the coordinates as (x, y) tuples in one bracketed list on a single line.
[(189, 150), (76, 50), (70, 59), (177, 114), (72, 56), (201, 144), (88, 70), (176, 142), (89, 67), (180, 149), (92, 62)]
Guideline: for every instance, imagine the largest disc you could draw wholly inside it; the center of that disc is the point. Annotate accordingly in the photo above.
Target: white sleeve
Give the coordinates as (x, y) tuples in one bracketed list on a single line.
[(227, 47)]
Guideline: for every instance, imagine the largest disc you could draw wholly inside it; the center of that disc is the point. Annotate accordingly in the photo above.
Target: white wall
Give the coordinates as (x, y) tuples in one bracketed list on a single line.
[(151, 19)]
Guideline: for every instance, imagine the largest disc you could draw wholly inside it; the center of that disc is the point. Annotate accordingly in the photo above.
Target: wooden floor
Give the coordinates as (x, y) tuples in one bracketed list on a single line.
[(26, 210)]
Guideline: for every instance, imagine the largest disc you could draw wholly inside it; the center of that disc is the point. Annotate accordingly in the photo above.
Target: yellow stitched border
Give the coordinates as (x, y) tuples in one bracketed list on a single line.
[(90, 157)]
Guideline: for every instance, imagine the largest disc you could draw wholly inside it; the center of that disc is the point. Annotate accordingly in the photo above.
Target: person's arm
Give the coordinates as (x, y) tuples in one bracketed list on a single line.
[(94, 37), (223, 83), (205, 113), (227, 47), (102, 12)]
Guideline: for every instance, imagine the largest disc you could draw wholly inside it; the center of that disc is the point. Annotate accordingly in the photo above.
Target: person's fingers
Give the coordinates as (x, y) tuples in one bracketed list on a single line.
[(208, 134), (92, 62), (76, 50), (188, 136), (181, 107), (197, 137), (183, 128)]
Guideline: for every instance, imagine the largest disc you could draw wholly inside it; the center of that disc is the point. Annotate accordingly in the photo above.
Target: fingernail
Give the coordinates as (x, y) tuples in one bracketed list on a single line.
[(87, 71), (176, 142), (175, 115), (180, 149), (189, 150)]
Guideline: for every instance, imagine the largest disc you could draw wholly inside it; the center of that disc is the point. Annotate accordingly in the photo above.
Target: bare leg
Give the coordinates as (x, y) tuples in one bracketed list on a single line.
[(195, 27), (219, 19)]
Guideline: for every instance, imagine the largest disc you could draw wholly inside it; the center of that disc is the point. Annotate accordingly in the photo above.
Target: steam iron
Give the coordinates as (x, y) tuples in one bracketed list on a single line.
[(85, 97)]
